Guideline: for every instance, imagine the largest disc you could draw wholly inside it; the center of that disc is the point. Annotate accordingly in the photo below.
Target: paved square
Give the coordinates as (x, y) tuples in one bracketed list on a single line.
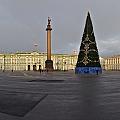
[(18, 104), (59, 96)]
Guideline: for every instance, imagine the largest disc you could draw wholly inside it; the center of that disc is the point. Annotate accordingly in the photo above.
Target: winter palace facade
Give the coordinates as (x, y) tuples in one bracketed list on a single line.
[(35, 61)]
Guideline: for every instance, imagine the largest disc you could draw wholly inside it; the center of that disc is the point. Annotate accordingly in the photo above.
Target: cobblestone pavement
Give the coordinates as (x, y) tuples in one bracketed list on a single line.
[(28, 95)]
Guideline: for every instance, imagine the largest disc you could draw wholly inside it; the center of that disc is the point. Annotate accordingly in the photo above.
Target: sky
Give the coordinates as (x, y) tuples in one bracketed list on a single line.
[(23, 24)]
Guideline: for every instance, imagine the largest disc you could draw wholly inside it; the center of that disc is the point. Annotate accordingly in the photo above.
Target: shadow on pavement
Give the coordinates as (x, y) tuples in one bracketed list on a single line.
[(19, 104)]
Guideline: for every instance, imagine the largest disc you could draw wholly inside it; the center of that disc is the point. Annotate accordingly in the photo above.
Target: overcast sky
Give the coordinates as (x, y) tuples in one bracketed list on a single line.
[(23, 24)]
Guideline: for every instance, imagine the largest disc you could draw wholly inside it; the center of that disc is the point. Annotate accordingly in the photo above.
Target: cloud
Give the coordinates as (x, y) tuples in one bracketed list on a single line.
[(110, 46), (23, 23)]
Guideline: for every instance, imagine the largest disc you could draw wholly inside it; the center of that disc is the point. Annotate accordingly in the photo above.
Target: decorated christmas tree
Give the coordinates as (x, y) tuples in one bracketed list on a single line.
[(88, 58)]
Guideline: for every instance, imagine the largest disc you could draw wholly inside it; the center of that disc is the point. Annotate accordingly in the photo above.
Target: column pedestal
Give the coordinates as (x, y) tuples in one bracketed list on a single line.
[(49, 65)]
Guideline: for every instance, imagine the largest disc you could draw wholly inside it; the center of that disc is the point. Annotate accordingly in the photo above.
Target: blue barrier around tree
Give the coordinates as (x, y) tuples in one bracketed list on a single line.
[(90, 70)]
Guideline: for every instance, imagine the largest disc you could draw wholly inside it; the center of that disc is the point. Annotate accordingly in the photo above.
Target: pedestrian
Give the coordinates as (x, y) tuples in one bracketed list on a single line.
[(97, 72), (40, 70)]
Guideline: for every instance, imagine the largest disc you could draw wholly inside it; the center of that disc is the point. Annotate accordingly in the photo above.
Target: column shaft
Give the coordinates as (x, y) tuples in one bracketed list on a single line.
[(48, 45)]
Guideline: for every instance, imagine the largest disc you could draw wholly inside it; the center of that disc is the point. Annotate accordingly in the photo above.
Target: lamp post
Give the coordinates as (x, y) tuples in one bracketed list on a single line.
[(57, 65), (4, 63), (64, 66), (12, 63)]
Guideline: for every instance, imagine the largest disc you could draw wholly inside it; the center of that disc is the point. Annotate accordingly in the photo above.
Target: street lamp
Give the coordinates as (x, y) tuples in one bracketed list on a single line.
[(4, 63), (57, 65), (64, 66)]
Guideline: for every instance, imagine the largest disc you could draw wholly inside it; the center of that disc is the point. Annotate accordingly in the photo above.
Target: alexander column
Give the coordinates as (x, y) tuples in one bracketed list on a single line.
[(49, 62)]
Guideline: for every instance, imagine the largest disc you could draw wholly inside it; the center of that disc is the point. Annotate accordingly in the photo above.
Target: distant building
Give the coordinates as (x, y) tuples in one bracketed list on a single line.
[(102, 62), (36, 61), (112, 63)]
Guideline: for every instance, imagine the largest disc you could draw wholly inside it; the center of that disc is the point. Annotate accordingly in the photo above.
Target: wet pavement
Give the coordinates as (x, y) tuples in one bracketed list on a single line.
[(59, 96)]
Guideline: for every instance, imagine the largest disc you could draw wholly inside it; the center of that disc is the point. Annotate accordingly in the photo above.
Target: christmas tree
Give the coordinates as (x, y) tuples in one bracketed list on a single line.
[(88, 58)]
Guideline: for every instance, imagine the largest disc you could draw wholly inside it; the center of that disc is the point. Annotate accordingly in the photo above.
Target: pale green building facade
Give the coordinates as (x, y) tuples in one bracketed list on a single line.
[(36, 61)]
